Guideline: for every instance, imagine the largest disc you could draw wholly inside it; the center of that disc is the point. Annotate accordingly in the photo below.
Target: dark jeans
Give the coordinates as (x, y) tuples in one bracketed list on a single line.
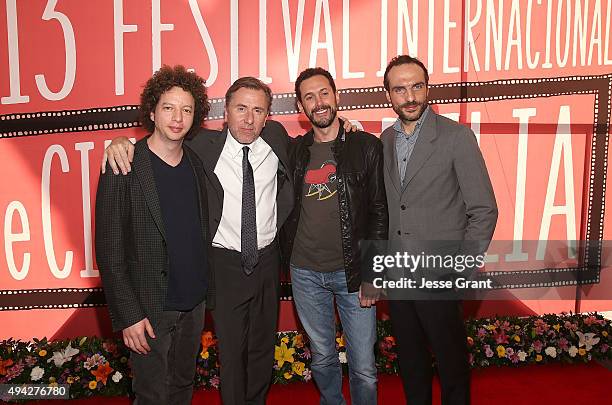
[(165, 375)]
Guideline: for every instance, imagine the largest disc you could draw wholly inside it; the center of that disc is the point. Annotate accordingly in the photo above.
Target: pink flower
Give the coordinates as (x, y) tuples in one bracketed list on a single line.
[(504, 326), (471, 359), (94, 361), (307, 374), (514, 358), (481, 333), (214, 382), (563, 344), (500, 338), (541, 326), (488, 351), (604, 348), (570, 326), (591, 320), (14, 371), (509, 352), (537, 346)]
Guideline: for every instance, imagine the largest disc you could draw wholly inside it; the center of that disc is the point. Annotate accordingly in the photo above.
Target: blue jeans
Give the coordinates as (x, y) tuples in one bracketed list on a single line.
[(314, 293)]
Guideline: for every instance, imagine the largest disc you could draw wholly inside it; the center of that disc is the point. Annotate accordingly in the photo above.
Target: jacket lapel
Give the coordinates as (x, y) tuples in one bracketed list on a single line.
[(391, 159), (143, 169), (198, 169), (214, 142), (278, 145), (423, 148)]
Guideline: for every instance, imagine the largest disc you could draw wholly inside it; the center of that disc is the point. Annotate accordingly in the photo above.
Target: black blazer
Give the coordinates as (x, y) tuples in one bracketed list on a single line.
[(208, 144), (130, 239)]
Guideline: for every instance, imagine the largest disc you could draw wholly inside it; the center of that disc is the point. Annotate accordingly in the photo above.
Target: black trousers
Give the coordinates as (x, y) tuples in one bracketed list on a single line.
[(246, 315), (425, 327), (165, 375)]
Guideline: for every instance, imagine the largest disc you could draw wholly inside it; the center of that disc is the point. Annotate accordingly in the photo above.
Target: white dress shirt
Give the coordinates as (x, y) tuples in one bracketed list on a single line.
[(229, 171)]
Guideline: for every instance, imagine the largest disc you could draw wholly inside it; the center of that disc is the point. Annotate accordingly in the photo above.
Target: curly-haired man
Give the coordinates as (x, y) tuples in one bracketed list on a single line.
[(153, 257)]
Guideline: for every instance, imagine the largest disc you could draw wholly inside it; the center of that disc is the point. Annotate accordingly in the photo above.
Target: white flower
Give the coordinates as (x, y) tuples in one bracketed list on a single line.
[(37, 373), (551, 351), (59, 358), (588, 340), (573, 351), (342, 357), (522, 355), (117, 377)]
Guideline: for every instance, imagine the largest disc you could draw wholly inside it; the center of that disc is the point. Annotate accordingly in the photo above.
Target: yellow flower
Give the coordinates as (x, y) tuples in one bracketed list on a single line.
[(340, 341), (298, 341), (581, 352), (517, 338), (93, 384), (123, 359), (556, 327), (298, 367), (42, 353), (52, 379), (538, 357), (604, 333), (282, 354), (490, 327), (70, 380), (501, 351), (285, 340), (54, 384), (470, 341), (287, 375), (204, 354)]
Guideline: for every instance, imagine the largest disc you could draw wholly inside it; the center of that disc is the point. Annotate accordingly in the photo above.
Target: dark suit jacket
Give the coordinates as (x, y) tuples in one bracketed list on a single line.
[(447, 193), (130, 239), (208, 144)]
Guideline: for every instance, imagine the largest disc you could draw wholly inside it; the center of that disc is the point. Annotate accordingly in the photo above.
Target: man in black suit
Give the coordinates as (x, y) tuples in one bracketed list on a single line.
[(249, 198), (153, 257)]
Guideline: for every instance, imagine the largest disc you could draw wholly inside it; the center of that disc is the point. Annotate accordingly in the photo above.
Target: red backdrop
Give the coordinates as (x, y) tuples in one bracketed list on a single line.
[(536, 92)]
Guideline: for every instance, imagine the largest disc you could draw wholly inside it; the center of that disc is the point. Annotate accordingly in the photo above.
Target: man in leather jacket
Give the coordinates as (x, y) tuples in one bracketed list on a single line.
[(339, 201)]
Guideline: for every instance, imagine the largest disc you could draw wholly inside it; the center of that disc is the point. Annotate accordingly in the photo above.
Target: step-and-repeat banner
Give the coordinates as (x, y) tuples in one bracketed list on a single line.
[(532, 78)]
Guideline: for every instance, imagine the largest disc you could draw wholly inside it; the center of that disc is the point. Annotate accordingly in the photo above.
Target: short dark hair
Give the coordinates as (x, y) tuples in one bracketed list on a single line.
[(307, 74), (248, 82), (163, 80), (404, 60)]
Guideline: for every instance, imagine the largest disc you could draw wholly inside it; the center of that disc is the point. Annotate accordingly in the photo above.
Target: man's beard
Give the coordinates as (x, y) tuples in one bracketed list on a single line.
[(410, 117), (322, 122)]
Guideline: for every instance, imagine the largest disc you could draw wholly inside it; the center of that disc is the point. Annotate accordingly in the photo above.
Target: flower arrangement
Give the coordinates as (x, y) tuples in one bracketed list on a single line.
[(99, 367), (512, 341)]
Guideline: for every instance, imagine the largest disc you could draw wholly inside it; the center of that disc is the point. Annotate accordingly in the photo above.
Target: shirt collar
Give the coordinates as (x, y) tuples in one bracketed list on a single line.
[(397, 126), (235, 148)]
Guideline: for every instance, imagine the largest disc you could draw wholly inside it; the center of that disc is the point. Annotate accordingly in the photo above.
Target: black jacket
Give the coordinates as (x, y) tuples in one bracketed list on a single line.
[(362, 202), (131, 241)]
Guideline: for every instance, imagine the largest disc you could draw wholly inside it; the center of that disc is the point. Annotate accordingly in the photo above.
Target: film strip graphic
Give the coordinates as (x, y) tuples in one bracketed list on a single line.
[(588, 272)]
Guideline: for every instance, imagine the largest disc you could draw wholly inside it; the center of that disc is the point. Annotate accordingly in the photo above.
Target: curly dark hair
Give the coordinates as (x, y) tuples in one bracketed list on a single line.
[(307, 74), (404, 60), (163, 80)]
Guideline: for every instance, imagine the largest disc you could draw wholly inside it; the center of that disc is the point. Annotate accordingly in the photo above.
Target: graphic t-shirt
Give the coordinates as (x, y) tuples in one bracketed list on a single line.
[(318, 242)]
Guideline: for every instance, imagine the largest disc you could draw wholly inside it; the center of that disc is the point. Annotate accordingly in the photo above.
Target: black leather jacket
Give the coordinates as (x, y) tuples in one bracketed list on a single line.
[(361, 195)]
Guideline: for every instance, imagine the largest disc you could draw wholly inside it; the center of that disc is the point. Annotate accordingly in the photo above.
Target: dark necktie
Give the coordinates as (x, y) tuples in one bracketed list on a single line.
[(248, 237)]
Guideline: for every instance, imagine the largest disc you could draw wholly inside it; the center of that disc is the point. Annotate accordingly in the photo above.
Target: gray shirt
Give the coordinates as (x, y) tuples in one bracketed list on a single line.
[(404, 142)]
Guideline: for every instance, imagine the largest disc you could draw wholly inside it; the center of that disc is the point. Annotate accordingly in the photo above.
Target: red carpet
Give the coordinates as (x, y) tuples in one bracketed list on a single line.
[(547, 384)]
